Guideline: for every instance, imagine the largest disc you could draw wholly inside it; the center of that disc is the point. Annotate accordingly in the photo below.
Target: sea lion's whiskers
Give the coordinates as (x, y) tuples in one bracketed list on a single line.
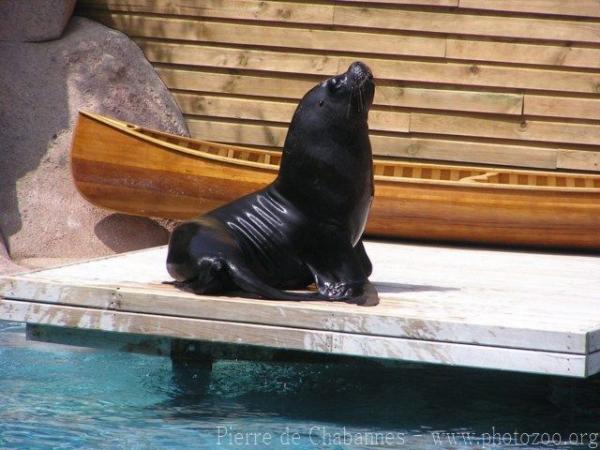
[(348, 108), (360, 99)]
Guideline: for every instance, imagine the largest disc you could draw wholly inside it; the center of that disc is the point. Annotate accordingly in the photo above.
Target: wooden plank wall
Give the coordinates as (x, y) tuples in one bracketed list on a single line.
[(511, 82)]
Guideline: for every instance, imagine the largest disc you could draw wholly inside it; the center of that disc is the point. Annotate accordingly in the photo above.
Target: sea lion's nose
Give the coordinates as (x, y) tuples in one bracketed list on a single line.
[(360, 69)]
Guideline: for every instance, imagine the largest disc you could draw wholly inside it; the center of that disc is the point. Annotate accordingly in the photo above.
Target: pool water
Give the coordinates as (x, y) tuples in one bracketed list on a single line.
[(59, 397)]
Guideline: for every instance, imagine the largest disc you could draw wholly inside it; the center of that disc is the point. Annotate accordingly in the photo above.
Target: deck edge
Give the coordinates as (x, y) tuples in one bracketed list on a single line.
[(136, 301), (478, 356)]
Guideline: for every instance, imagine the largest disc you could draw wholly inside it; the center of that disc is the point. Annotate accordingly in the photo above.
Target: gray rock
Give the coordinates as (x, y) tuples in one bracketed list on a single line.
[(42, 87), (34, 20)]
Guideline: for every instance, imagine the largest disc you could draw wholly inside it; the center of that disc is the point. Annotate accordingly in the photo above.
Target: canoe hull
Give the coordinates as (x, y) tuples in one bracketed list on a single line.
[(115, 170), (486, 216)]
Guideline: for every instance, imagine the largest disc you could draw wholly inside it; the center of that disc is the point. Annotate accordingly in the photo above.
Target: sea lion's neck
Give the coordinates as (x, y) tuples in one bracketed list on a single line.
[(328, 177)]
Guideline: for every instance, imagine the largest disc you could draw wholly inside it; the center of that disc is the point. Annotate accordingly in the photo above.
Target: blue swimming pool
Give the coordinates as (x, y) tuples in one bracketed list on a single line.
[(62, 397)]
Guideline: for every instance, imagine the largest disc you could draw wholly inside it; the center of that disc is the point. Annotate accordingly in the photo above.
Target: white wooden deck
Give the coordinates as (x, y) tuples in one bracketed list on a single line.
[(520, 311)]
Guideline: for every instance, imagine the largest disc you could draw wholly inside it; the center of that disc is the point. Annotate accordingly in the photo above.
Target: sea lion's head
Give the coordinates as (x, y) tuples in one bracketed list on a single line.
[(350, 93), (342, 100), (332, 117)]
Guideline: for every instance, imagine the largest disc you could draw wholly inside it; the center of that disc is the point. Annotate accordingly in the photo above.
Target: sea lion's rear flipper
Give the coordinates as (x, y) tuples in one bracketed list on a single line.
[(211, 278), (248, 281)]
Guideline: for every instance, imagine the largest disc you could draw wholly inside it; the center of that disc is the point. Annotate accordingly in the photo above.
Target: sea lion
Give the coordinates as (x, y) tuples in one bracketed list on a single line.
[(307, 225)]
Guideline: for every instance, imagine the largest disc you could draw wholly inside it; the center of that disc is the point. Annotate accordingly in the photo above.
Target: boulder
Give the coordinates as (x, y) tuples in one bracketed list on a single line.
[(30, 21), (43, 86)]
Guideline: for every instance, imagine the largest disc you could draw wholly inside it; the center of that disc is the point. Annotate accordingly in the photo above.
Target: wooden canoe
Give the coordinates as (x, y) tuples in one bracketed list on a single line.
[(134, 170)]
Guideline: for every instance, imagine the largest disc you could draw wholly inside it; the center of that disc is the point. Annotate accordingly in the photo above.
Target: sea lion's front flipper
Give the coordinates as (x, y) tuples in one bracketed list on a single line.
[(362, 293), (340, 272)]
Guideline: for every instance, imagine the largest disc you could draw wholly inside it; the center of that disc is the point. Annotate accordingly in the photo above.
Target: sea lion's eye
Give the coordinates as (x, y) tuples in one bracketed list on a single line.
[(322, 102)]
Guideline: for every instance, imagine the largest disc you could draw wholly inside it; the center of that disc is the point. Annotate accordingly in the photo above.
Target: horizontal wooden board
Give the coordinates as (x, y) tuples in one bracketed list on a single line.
[(451, 100), (234, 58), (516, 129), (267, 85), (578, 160), (404, 146), (272, 11), (241, 133), (485, 75), (557, 55), (579, 108), (236, 108), (583, 8), (272, 36), (418, 71), (294, 88), (468, 151), (449, 3), (467, 24)]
